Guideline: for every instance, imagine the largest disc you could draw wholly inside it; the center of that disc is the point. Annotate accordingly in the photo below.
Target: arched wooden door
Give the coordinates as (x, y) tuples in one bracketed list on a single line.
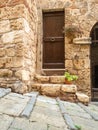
[(94, 62)]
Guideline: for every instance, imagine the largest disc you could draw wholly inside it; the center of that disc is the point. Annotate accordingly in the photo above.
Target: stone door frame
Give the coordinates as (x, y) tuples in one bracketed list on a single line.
[(40, 38)]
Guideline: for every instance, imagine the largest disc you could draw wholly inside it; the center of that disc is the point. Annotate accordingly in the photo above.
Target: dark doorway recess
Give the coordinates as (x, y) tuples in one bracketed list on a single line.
[(94, 62), (53, 40)]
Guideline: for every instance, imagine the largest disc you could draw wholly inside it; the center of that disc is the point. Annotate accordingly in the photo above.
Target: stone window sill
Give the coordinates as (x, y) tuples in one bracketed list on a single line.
[(82, 40)]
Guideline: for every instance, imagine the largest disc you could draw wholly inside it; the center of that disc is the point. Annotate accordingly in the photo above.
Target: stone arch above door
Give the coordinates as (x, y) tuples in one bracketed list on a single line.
[(94, 61)]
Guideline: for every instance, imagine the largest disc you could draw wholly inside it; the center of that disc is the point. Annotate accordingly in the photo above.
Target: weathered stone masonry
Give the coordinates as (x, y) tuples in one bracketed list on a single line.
[(17, 43), (21, 44), (82, 14)]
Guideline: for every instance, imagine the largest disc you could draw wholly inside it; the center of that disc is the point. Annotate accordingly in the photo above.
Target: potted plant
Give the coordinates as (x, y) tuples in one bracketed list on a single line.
[(69, 78)]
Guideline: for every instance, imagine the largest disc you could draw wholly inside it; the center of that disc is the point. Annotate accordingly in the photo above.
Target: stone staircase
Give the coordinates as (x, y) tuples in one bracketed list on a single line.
[(54, 86)]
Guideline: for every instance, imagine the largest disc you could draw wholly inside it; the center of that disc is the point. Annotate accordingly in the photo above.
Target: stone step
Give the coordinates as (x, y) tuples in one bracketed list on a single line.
[(64, 91), (49, 79)]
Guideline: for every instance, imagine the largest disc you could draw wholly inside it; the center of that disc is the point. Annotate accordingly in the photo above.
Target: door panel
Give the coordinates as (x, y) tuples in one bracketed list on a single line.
[(53, 40)]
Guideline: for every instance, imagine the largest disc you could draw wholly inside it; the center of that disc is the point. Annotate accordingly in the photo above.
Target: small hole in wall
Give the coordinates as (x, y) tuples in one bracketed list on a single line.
[(76, 57)]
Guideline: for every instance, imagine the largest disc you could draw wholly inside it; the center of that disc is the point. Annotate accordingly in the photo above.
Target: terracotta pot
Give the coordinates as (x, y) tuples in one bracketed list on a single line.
[(67, 82)]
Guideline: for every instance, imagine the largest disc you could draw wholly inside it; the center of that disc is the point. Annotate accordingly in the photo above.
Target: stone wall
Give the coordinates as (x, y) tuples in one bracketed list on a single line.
[(18, 22), (20, 50), (80, 13)]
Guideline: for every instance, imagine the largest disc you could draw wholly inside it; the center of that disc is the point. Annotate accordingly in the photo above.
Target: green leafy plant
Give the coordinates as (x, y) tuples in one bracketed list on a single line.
[(70, 77), (78, 127)]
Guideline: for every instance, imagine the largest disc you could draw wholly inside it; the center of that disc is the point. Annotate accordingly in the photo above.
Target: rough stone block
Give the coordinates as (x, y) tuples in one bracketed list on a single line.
[(5, 73), (57, 79), (78, 64), (2, 52), (10, 52), (25, 75), (35, 86), (14, 62), (4, 26), (2, 62), (12, 37), (69, 88), (68, 97), (69, 63), (82, 98), (50, 89), (19, 87), (42, 78), (18, 74)]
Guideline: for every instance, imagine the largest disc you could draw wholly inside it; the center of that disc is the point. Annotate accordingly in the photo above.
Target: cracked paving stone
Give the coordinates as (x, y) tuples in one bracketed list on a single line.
[(24, 124), (5, 121), (48, 116), (47, 105), (85, 124), (17, 97), (13, 104), (75, 110)]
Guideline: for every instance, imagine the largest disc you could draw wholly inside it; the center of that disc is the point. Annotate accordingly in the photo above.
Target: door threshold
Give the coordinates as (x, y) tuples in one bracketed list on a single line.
[(53, 72), (53, 69)]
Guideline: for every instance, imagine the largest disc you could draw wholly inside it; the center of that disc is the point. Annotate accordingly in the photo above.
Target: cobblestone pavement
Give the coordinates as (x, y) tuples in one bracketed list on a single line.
[(34, 112)]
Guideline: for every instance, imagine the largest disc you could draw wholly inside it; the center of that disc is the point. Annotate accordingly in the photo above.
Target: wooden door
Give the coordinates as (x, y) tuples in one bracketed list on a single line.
[(53, 40)]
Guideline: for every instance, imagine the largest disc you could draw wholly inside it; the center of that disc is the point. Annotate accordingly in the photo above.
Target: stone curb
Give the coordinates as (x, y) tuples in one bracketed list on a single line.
[(95, 117), (30, 106), (66, 117), (4, 92)]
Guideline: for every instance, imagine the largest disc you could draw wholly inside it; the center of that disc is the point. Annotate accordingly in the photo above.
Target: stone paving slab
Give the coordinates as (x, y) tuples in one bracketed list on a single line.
[(17, 97), (5, 121), (25, 124), (75, 110), (93, 108), (80, 117), (85, 124), (55, 128), (13, 104), (47, 105), (89, 111), (4, 92), (30, 105), (46, 114), (47, 111), (66, 116)]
